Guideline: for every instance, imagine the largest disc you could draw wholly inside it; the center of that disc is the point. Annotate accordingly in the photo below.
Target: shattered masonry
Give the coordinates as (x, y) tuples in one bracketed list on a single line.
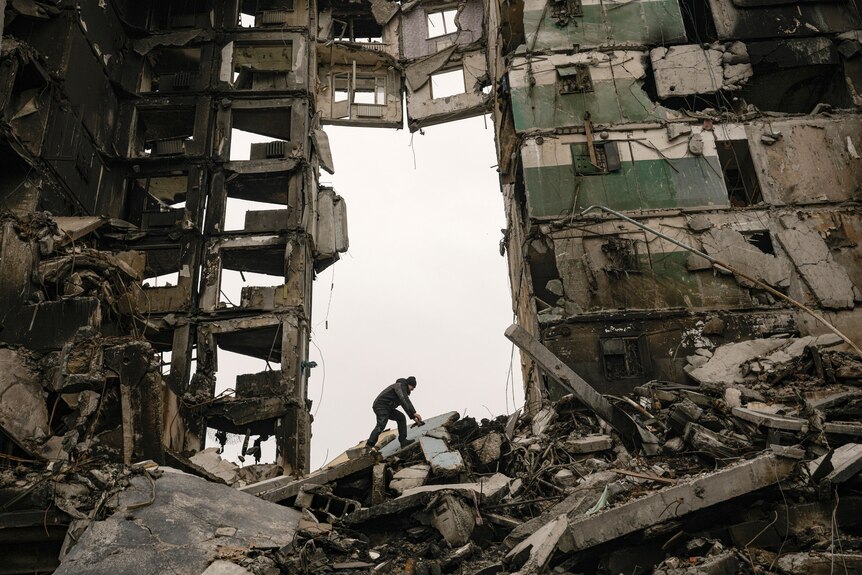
[(638, 143)]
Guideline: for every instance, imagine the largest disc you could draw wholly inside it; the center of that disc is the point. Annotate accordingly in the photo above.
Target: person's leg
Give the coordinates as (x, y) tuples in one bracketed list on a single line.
[(402, 424), (382, 420)]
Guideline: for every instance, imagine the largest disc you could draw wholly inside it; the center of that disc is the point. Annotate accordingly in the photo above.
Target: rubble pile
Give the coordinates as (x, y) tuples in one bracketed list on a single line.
[(755, 471)]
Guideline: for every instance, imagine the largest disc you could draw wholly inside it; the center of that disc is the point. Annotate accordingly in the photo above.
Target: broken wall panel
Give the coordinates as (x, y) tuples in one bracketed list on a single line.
[(451, 92), (644, 169), (557, 90), (434, 26), (590, 24), (812, 162)]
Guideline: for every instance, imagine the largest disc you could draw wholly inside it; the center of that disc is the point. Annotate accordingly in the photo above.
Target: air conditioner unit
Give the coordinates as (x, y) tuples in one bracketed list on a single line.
[(172, 147), (272, 18)]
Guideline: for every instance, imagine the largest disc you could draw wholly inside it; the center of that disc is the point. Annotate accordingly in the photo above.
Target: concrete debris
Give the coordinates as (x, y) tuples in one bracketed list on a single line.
[(409, 477), (689, 70)]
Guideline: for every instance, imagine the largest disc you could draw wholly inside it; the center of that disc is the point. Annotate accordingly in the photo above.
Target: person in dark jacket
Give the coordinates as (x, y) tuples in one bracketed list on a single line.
[(386, 407)]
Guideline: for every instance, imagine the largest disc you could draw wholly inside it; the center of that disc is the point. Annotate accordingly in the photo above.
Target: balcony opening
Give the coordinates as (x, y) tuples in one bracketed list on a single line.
[(260, 134), (740, 177), (170, 69), (543, 270), (260, 66), (238, 210), (164, 280), (163, 131), (233, 282), (448, 83)]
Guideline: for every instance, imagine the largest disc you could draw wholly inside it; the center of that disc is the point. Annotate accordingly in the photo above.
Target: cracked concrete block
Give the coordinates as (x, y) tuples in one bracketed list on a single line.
[(589, 444), (23, 414), (676, 130), (410, 477), (826, 278), (443, 462), (211, 461), (487, 448)]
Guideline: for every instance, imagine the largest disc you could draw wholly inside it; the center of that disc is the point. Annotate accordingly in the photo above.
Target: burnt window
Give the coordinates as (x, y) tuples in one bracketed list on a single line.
[(740, 177), (562, 11), (622, 358), (607, 158), (623, 256), (574, 79)]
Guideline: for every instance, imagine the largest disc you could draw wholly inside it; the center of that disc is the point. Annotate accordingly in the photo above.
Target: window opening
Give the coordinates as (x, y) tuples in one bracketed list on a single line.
[(761, 240), (441, 23), (622, 358), (164, 280), (449, 83), (562, 11), (607, 158), (740, 176), (623, 256), (235, 213), (574, 79)]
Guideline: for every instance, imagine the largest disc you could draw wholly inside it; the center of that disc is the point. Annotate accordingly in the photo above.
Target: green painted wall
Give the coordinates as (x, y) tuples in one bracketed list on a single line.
[(543, 107), (641, 185), (638, 23)]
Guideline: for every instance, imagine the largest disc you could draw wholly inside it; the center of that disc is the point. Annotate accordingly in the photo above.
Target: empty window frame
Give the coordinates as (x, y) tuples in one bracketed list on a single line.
[(441, 22), (622, 358), (448, 83), (605, 158), (157, 201), (738, 169), (574, 79)]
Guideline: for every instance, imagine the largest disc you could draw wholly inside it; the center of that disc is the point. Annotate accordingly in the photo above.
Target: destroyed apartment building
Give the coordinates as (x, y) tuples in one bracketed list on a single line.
[(681, 181)]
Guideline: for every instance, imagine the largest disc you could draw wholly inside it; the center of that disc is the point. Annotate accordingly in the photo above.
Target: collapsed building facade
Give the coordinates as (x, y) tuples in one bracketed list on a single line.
[(676, 176)]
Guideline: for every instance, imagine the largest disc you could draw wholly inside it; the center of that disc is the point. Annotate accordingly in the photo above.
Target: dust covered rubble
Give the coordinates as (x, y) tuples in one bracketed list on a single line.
[(758, 472)]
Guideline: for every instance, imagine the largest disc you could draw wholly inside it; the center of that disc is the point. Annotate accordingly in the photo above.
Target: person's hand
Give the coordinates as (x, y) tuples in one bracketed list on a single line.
[(417, 418)]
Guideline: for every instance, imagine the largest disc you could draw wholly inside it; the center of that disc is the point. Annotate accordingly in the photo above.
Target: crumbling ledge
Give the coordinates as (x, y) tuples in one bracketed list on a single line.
[(677, 501)]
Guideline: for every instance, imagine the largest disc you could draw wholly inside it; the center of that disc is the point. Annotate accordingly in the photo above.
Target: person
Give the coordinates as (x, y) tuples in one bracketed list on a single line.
[(385, 407)]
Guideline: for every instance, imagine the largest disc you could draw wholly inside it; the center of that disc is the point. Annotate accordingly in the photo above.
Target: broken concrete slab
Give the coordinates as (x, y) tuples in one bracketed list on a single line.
[(409, 477), (677, 501), (693, 69), (730, 246), (533, 554), (488, 490), (168, 525), (588, 444), (819, 563), (837, 466), (210, 459), (488, 448), (414, 433), (583, 497), (23, 413), (827, 279), (285, 487), (771, 420), (220, 567), (444, 463)]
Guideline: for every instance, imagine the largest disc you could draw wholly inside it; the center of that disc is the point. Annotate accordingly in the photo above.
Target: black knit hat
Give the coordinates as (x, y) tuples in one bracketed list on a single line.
[(408, 380)]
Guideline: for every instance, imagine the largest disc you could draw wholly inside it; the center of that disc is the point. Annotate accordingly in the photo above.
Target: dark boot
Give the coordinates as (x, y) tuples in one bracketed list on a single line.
[(406, 442)]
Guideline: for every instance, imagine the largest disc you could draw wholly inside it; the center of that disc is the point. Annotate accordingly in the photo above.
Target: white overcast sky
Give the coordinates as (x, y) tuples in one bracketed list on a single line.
[(422, 291)]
